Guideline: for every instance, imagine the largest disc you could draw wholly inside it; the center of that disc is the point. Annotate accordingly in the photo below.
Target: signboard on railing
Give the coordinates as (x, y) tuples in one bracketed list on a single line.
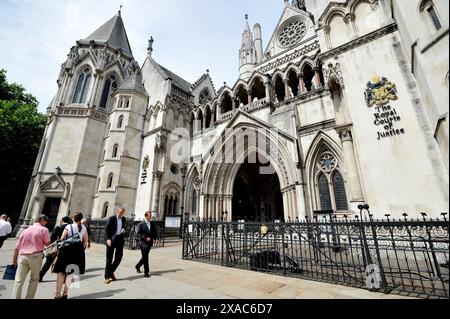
[(173, 222)]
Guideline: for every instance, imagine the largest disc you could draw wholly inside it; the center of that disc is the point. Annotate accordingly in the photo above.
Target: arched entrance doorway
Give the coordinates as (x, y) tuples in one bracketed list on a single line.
[(256, 194)]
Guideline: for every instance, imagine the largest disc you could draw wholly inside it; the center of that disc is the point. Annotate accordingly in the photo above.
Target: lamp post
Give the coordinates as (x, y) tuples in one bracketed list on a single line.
[(183, 171), (364, 207)]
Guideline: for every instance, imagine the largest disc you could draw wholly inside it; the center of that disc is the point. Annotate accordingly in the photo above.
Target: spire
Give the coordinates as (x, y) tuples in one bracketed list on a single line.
[(247, 53), (112, 32), (246, 26)]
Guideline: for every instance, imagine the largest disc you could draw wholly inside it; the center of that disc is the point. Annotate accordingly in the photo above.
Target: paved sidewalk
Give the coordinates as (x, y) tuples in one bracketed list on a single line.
[(174, 278)]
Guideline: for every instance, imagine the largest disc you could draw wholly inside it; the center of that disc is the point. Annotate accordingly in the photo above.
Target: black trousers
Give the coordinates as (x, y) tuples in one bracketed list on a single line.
[(145, 251), (48, 263), (114, 256)]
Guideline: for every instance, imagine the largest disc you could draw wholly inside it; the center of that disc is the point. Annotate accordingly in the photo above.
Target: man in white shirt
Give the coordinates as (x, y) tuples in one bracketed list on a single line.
[(5, 229)]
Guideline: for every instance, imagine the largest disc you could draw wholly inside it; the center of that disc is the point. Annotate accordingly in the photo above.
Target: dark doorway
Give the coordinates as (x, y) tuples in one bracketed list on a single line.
[(51, 209), (256, 196)]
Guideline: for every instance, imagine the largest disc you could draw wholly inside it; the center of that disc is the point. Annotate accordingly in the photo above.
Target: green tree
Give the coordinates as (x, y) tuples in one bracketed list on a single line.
[(21, 130)]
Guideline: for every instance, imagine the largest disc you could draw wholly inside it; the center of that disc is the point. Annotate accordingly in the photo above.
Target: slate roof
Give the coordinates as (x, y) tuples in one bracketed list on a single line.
[(113, 32)]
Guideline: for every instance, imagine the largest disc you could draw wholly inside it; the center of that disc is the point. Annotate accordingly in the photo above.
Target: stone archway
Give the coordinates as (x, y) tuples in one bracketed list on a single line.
[(256, 196), (241, 144)]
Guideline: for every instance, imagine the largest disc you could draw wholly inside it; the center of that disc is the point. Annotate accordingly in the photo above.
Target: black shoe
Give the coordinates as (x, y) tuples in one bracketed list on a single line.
[(113, 277), (147, 275), (41, 279), (138, 269)]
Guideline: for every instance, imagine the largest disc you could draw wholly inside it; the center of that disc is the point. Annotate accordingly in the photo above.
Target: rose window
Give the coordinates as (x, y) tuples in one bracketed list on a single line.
[(292, 33), (327, 163)]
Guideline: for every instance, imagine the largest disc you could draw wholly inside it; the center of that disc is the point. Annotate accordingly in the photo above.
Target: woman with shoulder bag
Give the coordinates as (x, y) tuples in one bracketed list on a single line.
[(71, 259)]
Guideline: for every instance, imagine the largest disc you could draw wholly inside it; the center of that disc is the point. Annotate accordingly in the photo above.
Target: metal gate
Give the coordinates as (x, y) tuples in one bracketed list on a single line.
[(393, 256)]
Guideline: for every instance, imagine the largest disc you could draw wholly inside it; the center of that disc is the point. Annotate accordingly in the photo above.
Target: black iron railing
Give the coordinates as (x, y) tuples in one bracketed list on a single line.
[(131, 240), (392, 256)]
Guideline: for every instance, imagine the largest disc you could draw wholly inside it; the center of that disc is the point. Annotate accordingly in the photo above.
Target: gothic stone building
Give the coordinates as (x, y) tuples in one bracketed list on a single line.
[(346, 105)]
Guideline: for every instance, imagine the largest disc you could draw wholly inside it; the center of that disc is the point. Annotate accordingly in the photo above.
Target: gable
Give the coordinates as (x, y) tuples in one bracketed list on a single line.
[(54, 183), (203, 83), (294, 27)]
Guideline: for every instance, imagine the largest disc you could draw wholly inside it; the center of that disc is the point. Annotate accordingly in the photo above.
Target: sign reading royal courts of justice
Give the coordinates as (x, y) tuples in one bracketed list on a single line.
[(379, 93)]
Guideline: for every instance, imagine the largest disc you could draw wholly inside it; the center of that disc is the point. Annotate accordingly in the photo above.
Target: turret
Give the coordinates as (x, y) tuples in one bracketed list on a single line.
[(258, 42), (247, 53)]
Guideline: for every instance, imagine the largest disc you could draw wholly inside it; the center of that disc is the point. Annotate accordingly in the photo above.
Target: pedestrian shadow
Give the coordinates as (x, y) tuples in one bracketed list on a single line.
[(99, 295), (84, 277), (162, 272), (94, 269)]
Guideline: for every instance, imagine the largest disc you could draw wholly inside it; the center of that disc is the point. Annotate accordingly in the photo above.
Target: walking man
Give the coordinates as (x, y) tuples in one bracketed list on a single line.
[(147, 235), (115, 240), (5, 229), (28, 256)]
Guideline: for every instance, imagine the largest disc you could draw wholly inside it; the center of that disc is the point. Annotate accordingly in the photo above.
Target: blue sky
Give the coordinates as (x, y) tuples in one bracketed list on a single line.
[(191, 36)]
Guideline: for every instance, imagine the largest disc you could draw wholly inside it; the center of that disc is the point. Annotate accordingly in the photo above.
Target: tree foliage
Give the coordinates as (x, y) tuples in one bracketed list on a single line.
[(21, 130)]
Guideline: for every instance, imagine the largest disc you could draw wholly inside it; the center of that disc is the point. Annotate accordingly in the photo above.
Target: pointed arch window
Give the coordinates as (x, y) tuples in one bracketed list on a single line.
[(330, 184), (324, 193), (105, 210), (204, 97), (120, 122), (110, 86), (110, 181), (340, 196), (115, 151), (83, 86), (431, 16)]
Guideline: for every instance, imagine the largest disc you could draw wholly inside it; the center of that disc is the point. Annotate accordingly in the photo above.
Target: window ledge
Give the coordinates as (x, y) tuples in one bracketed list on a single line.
[(434, 39)]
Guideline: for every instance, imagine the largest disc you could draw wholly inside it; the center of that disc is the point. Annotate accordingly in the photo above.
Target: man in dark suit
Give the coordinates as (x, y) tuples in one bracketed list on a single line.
[(147, 235), (115, 240)]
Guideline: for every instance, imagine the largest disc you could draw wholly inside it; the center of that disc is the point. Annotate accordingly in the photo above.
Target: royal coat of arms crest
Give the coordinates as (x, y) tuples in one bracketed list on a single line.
[(380, 91)]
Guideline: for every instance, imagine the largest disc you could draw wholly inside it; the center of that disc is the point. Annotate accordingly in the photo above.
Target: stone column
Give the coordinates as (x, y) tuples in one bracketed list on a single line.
[(211, 208), (205, 206), (287, 89), (197, 125), (250, 101), (213, 122), (221, 206), (326, 31), (285, 206), (350, 20), (294, 212), (268, 89), (66, 97), (317, 82), (156, 191), (94, 90), (301, 84), (228, 207), (356, 193), (204, 121)]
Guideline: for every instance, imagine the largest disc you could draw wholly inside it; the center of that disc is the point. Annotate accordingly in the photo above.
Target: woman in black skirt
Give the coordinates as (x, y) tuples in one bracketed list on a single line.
[(71, 259)]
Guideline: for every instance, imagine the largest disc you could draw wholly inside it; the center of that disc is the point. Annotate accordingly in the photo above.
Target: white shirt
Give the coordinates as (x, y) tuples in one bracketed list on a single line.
[(119, 226), (5, 228), (74, 227)]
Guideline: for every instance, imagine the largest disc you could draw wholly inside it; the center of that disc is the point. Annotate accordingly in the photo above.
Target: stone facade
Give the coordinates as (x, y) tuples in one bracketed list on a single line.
[(347, 105)]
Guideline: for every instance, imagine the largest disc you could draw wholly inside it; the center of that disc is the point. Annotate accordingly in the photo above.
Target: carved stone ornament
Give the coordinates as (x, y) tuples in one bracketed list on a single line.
[(161, 140), (146, 163), (197, 183), (333, 73), (380, 91)]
